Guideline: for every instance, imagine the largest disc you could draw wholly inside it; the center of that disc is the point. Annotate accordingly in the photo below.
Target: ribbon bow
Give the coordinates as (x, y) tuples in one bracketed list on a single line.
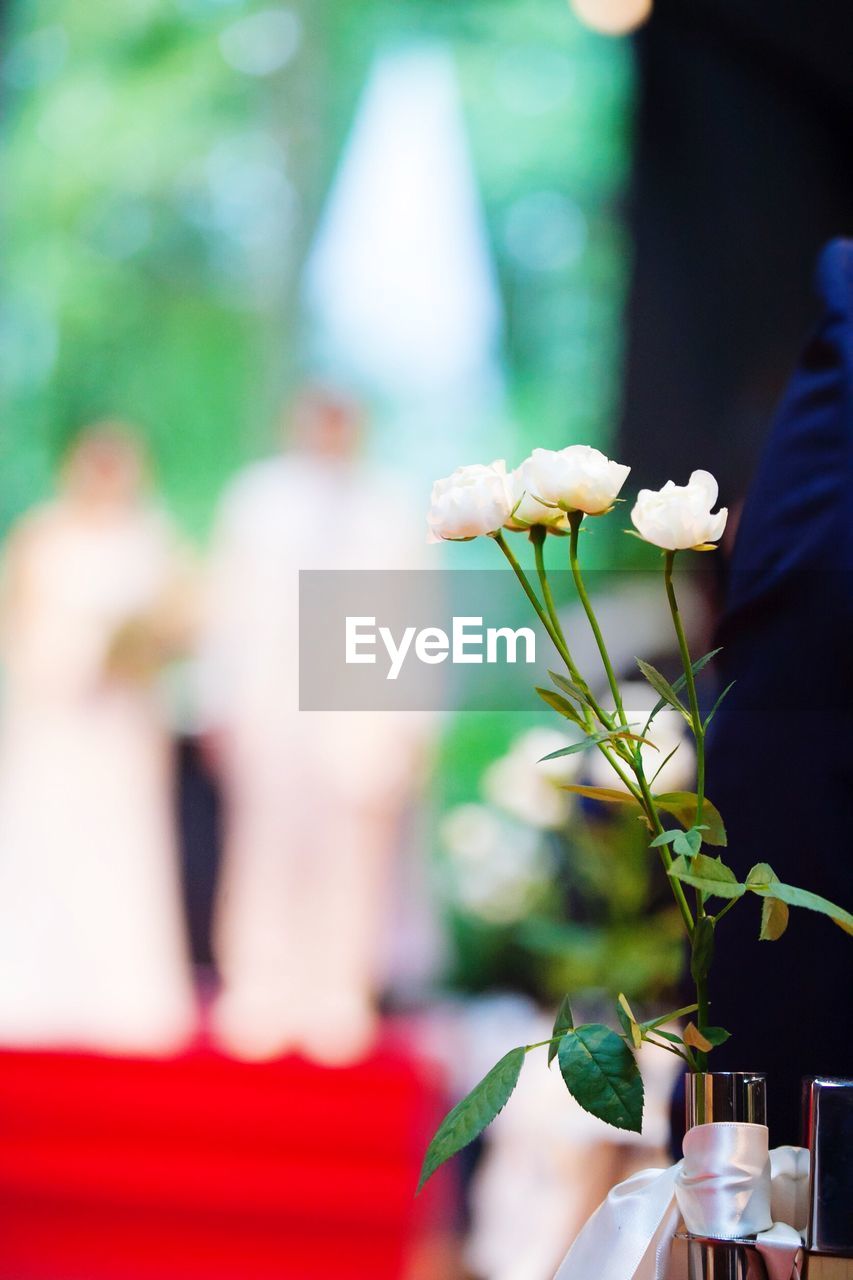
[(728, 1185)]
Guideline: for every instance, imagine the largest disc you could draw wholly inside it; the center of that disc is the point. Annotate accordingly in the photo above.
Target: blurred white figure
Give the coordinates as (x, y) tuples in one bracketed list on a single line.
[(91, 936), (312, 798)]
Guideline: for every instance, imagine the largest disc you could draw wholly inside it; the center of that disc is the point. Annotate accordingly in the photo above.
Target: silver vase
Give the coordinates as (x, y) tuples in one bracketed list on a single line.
[(710, 1097)]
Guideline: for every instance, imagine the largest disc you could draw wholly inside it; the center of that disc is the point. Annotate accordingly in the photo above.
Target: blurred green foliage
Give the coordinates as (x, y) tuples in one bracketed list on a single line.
[(165, 163)]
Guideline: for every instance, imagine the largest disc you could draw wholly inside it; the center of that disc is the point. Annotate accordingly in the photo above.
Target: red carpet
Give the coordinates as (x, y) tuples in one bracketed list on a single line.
[(120, 1169)]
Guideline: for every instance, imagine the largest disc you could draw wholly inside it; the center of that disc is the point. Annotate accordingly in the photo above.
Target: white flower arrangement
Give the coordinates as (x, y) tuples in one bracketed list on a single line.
[(553, 492)]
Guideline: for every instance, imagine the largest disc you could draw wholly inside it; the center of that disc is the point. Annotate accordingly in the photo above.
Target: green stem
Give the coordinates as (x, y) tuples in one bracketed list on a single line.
[(699, 738), (537, 537), (645, 796), (698, 729), (670, 1048), (702, 1020), (575, 519), (554, 632), (726, 909)]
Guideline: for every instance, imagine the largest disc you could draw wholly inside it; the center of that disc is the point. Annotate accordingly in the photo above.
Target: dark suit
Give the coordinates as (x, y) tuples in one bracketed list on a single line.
[(780, 751)]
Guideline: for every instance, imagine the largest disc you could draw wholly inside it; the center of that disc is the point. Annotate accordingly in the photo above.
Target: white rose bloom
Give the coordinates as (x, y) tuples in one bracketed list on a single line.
[(527, 788), (526, 510), (473, 501), (678, 517), (668, 731), (578, 478)]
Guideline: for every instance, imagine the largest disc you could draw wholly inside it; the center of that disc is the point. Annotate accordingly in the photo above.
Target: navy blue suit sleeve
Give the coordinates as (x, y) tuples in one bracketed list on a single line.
[(780, 753)]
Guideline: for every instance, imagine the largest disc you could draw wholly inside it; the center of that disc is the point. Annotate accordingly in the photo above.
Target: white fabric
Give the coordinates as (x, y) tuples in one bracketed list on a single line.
[(789, 1187), (92, 949), (722, 1188), (723, 1185), (312, 798)]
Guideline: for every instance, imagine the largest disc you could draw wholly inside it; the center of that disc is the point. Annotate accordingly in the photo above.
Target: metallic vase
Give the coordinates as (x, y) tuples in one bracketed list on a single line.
[(711, 1097), (828, 1134)]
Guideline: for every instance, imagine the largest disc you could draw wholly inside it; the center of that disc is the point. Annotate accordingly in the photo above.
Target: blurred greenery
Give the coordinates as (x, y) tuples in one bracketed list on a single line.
[(163, 184), (165, 164)]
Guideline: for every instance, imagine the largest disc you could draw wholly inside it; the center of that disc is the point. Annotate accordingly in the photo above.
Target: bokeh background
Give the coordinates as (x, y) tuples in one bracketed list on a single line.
[(481, 226)]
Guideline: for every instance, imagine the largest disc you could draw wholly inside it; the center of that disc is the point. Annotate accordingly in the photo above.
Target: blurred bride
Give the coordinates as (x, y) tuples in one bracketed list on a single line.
[(94, 601)]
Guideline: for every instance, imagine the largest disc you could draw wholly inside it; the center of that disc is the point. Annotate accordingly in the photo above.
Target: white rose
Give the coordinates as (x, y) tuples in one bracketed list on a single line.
[(474, 500), (578, 478), (678, 517), (526, 510)]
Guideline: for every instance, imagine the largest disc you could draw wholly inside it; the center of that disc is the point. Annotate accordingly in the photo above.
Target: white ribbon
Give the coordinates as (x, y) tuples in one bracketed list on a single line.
[(727, 1186)]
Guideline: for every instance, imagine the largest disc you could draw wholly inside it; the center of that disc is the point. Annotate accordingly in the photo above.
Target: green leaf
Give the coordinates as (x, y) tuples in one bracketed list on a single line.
[(609, 795), (774, 919), (602, 1075), (665, 837), (708, 874), (761, 876), (562, 1023), (568, 686), (678, 685), (702, 951), (795, 897), (716, 1035), (683, 806), (667, 1035), (591, 739), (470, 1117), (561, 706), (661, 686), (628, 1020), (624, 1021), (713, 711), (687, 843), (665, 760)]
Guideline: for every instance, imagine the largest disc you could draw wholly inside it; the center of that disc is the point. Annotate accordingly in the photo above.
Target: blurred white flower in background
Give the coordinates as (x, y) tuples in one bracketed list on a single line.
[(498, 870), (529, 790), (668, 732)]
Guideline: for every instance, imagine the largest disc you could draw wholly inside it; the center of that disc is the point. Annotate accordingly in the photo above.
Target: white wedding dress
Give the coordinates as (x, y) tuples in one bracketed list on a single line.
[(91, 938)]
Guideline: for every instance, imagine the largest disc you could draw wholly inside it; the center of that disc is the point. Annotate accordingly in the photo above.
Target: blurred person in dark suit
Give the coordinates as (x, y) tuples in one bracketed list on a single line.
[(742, 172), (780, 753), (96, 598)]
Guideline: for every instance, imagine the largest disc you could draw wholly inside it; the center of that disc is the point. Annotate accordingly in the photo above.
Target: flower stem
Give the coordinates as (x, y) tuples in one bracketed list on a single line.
[(537, 536), (641, 791), (699, 738), (575, 519), (698, 729), (554, 632)]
